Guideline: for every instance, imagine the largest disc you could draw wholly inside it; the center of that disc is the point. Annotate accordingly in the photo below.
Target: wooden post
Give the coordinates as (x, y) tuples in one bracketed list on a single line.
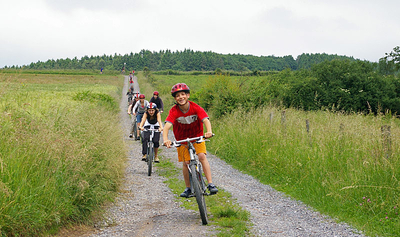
[(308, 131), (271, 116), (283, 121), (341, 128)]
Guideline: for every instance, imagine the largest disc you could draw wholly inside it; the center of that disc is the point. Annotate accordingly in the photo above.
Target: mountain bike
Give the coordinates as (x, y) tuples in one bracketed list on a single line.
[(150, 150), (197, 182), (134, 127)]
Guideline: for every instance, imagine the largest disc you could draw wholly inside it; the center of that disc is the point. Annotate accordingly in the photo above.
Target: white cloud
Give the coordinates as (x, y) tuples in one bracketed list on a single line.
[(46, 29)]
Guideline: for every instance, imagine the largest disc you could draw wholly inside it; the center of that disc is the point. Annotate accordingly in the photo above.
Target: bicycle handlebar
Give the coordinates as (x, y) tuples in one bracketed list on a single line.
[(199, 139), (150, 129)]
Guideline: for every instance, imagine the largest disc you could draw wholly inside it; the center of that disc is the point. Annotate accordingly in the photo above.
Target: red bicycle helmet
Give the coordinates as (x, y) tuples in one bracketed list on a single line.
[(155, 93), (179, 87), (151, 105), (141, 96)]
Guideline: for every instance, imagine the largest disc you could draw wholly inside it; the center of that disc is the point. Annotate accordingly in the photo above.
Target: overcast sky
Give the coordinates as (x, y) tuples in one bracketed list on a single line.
[(38, 30)]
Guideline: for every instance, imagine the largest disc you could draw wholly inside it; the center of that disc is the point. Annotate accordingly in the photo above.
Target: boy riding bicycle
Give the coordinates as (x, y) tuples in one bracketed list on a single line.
[(187, 119)]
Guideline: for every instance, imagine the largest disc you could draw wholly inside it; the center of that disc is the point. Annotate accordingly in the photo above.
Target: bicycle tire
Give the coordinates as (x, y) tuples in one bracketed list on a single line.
[(201, 202), (202, 182), (150, 156), (135, 130)]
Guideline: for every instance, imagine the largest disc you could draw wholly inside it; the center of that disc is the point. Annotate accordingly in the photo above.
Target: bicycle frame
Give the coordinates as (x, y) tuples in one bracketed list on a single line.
[(197, 183), (193, 160), (150, 149)]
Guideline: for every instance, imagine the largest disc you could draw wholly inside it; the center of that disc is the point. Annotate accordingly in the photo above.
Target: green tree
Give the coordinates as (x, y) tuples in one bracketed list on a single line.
[(394, 56), (102, 63), (390, 64)]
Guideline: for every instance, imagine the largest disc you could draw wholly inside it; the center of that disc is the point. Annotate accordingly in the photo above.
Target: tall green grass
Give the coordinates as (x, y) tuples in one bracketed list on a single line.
[(343, 166), (61, 152)]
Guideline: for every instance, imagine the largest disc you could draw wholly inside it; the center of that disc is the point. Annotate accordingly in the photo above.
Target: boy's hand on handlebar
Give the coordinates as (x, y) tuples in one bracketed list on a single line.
[(141, 128), (160, 129), (167, 143), (208, 134)]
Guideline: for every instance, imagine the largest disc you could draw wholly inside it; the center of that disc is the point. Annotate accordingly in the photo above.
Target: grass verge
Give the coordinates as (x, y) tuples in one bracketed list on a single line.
[(61, 152)]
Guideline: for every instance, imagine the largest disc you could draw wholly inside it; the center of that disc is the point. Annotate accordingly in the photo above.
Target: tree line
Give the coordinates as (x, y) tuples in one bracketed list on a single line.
[(338, 85), (186, 60)]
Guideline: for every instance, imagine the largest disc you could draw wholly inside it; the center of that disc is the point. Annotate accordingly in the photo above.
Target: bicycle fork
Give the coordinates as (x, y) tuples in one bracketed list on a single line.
[(198, 172)]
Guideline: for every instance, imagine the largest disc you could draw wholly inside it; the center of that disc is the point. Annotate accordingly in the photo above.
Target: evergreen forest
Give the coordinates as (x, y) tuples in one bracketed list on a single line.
[(187, 60)]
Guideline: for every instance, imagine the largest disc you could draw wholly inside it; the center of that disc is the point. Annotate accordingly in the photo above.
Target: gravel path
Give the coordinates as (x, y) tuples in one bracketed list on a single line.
[(147, 207)]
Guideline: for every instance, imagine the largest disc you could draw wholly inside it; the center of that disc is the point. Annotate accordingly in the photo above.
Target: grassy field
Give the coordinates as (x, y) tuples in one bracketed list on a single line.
[(345, 166), (62, 154), (61, 150)]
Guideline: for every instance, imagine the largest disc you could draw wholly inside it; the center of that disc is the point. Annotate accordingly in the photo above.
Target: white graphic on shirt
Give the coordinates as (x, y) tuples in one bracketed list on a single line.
[(187, 120)]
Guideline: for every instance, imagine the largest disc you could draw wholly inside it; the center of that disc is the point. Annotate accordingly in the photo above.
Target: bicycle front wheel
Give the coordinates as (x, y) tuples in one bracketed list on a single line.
[(198, 190), (150, 157)]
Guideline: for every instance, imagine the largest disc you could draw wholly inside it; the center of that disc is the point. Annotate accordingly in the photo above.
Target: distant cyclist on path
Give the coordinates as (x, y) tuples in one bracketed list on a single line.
[(138, 109), (158, 101)]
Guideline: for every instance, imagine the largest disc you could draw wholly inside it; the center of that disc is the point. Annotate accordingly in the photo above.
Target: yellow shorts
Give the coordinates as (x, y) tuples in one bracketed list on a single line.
[(183, 152)]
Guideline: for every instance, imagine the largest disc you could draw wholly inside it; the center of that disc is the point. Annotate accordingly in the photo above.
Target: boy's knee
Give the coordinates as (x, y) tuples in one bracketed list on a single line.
[(202, 156)]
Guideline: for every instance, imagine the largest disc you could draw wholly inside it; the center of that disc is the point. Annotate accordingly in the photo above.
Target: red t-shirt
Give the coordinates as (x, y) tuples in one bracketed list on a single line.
[(189, 124)]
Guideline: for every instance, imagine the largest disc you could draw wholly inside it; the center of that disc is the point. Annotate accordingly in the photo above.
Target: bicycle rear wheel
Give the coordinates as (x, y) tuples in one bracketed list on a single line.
[(150, 157), (198, 190), (135, 130)]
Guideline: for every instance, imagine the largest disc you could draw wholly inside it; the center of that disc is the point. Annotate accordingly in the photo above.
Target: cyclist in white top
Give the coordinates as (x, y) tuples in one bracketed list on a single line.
[(151, 119), (138, 110)]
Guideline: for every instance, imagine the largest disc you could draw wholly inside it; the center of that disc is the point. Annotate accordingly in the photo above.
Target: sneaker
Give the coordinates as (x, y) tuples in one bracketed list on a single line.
[(144, 158), (156, 159), (131, 135), (211, 187), (186, 193)]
